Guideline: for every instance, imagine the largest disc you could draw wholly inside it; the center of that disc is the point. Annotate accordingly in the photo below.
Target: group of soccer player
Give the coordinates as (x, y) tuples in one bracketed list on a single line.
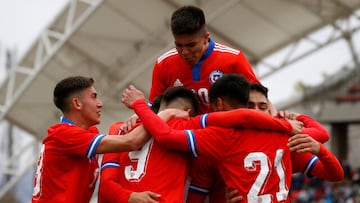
[(177, 151)]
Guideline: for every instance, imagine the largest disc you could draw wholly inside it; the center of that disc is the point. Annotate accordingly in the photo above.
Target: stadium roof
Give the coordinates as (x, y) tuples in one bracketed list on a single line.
[(117, 43)]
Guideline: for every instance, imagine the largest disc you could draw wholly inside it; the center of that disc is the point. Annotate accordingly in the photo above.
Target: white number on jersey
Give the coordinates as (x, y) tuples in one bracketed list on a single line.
[(204, 96), (140, 157), (37, 184), (262, 178)]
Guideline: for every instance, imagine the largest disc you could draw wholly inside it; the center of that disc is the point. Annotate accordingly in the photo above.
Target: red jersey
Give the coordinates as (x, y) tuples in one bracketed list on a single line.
[(110, 173), (152, 168), (171, 70), (203, 183), (205, 179), (67, 168), (256, 163)]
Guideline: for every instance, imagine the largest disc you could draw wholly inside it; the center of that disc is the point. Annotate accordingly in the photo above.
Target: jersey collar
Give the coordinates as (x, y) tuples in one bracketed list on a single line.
[(196, 68), (64, 120)]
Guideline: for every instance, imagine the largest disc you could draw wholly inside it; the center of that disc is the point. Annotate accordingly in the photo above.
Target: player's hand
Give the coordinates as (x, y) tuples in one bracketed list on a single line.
[(287, 114), (297, 126), (129, 124), (231, 196), (168, 114), (143, 197), (304, 143), (130, 95)]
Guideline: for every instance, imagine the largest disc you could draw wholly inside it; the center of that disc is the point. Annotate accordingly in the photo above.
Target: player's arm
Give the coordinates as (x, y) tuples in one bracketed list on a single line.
[(176, 139), (247, 118), (323, 165), (329, 167), (109, 179), (130, 142), (184, 140), (109, 186), (313, 128), (109, 175), (244, 118)]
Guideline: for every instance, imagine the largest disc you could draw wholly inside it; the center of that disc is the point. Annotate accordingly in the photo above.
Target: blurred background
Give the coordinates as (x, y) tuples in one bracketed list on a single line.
[(305, 51)]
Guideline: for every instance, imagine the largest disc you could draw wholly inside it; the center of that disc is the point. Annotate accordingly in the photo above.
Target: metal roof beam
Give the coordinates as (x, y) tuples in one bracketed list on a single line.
[(20, 77), (289, 58)]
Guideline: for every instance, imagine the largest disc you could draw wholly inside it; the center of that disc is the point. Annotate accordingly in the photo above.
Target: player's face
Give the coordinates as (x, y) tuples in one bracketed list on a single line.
[(90, 106), (192, 47), (258, 102)]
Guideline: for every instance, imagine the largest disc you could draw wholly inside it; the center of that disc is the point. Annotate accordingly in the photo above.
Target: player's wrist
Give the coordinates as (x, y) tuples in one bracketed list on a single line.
[(138, 102)]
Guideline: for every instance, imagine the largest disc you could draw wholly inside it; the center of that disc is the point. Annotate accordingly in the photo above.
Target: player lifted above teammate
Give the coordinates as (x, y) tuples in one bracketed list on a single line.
[(197, 61)]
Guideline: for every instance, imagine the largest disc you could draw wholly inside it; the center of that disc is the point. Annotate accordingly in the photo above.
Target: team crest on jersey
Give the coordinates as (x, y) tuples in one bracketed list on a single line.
[(178, 83), (216, 74)]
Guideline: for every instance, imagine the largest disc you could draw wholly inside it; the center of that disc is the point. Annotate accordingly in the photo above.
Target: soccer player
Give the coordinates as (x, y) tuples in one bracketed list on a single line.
[(312, 158), (196, 62), (257, 163), (153, 167), (308, 155), (67, 168), (113, 173)]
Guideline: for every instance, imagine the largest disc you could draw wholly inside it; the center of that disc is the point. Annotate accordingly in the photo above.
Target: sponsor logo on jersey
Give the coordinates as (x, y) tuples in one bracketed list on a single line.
[(178, 83), (216, 74)]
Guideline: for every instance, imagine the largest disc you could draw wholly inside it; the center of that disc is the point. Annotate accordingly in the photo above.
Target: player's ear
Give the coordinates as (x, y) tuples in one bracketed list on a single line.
[(220, 105), (206, 37), (76, 103)]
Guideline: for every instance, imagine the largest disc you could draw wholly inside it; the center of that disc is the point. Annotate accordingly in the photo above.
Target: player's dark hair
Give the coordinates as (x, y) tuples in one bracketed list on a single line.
[(231, 87), (67, 87), (155, 105), (259, 88), (187, 20), (173, 93)]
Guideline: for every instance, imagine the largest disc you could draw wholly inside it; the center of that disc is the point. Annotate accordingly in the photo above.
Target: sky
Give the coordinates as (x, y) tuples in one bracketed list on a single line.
[(21, 21)]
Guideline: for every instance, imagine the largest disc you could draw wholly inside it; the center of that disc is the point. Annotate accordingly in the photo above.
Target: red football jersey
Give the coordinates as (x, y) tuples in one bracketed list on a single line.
[(171, 70), (67, 168), (202, 183), (256, 163), (110, 173), (206, 181), (153, 168)]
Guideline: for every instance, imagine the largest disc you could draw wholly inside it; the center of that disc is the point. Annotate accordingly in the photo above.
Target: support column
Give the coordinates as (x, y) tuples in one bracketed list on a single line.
[(339, 137)]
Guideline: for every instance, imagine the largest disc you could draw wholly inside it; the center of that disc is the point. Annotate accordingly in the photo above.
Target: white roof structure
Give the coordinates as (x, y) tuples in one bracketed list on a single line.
[(117, 42)]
